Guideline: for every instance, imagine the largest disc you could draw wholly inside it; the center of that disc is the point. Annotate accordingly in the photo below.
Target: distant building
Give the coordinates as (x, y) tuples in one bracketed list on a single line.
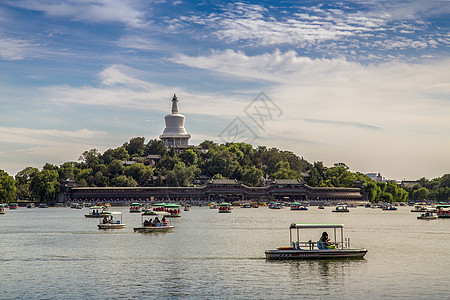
[(212, 190), (376, 177), (174, 135), (408, 183)]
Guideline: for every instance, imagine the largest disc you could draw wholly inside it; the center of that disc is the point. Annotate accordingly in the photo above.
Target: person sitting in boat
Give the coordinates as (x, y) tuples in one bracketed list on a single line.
[(164, 221), (105, 220), (156, 222), (324, 242)]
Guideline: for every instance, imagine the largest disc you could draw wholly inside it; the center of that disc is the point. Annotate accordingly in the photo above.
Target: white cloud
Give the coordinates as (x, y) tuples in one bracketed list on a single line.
[(17, 49), (325, 31), (408, 9), (122, 87), (140, 43), (127, 12), (23, 147), (345, 111)]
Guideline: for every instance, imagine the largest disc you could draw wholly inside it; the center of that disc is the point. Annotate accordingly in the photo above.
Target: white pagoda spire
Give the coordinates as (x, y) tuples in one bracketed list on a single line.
[(174, 135), (174, 104)]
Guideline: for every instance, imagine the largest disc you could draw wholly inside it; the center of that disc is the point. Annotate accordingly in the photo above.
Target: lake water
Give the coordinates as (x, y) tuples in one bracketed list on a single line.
[(57, 253)]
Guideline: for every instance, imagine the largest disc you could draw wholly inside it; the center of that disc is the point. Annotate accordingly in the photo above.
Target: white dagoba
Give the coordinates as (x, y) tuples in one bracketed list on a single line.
[(174, 135)]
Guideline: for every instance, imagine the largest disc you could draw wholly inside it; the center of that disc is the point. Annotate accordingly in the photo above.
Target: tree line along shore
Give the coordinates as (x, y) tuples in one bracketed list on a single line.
[(137, 163)]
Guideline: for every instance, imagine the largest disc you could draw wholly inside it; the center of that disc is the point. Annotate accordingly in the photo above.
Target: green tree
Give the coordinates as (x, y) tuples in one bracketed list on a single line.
[(123, 181), (189, 157), (283, 171), (68, 170), (155, 147), (100, 180), (136, 146), (90, 158), (119, 153), (44, 185), (219, 177), (339, 176), (181, 175), (373, 191), (23, 180), (7, 187), (207, 144), (420, 194), (223, 162), (115, 168), (252, 176), (140, 173)]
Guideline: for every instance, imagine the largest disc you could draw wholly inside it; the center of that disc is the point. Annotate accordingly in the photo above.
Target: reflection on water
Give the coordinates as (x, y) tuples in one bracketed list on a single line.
[(56, 253)]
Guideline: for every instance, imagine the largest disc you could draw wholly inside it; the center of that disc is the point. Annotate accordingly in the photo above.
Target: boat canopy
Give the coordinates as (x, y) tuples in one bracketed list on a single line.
[(159, 204), (135, 204), (172, 205), (224, 204), (315, 225), (112, 212), (442, 206), (156, 213)]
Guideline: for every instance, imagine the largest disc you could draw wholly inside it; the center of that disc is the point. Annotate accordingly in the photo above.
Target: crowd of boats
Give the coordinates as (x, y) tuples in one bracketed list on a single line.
[(156, 218)]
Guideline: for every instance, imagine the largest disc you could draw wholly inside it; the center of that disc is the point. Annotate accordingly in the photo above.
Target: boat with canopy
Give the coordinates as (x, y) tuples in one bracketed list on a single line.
[(302, 245), (96, 212), (443, 211), (224, 207), (155, 225), (135, 207), (341, 208), (112, 220)]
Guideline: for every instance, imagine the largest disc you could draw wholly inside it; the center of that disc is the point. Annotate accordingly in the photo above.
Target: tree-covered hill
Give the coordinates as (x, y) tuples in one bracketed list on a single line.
[(137, 163)]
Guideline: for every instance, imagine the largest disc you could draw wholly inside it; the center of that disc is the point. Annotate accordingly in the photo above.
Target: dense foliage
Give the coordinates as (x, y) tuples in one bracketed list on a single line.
[(137, 163)]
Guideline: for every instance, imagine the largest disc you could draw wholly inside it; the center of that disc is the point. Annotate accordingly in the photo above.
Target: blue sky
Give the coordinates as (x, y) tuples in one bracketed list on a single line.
[(365, 82)]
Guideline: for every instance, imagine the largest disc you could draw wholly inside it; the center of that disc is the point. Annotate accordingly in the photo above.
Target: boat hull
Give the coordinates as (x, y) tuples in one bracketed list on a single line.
[(111, 226), (95, 216), (148, 229), (427, 218), (315, 254)]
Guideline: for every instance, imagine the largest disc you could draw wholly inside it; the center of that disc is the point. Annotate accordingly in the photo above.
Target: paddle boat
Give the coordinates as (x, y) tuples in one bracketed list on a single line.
[(341, 208), (173, 209), (186, 208), (2, 208), (13, 206), (96, 212), (427, 216), (316, 250), (420, 207), (135, 208), (389, 207), (112, 220), (298, 206), (149, 225), (43, 205), (443, 210), (320, 207), (275, 205), (30, 205), (255, 204), (224, 207)]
